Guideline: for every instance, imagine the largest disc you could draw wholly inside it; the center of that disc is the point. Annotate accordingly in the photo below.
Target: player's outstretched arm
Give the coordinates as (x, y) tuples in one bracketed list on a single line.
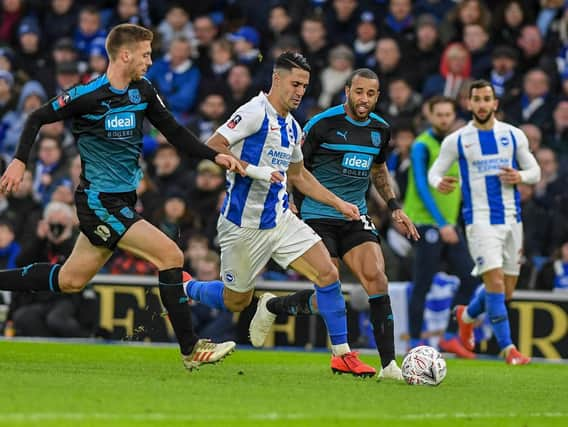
[(448, 155), (307, 184), (381, 180)]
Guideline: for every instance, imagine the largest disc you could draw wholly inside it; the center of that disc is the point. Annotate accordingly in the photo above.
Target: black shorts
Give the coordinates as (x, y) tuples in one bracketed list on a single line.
[(105, 217), (340, 236)]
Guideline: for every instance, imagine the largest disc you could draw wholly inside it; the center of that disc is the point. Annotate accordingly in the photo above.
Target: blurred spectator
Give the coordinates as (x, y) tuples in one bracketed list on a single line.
[(51, 169), (126, 12), (245, 44), (176, 24), (438, 8), (503, 75), (204, 195), (61, 20), (88, 30), (7, 59), (11, 12), (534, 135), (399, 23), (7, 98), (263, 76), (341, 22), (389, 64), (148, 199), (476, 40), (333, 77), (533, 54), (31, 98), (98, 61), (554, 273), (366, 41), (536, 236), (177, 78), (557, 136), (220, 63), (464, 13), (455, 69), (212, 112), (9, 248), (58, 131), (196, 248), (175, 218), (208, 322), (45, 313), (314, 43), (533, 104), (426, 53), (509, 18), (23, 211), (67, 75), (398, 161), (553, 184), (279, 24), (240, 86), (31, 58), (206, 32), (402, 105), (170, 173)]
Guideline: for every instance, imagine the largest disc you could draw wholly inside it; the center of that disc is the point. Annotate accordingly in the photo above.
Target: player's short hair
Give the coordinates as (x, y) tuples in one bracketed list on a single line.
[(441, 99), (289, 60), (126, 34), (478, 84), (366, 73)]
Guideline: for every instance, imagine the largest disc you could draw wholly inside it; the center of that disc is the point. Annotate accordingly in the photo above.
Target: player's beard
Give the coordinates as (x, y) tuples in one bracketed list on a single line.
[(353, 109), (482, 121)]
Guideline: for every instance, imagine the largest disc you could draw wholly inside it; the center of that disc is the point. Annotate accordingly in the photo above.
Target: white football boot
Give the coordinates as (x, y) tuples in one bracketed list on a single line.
[(262, 321)]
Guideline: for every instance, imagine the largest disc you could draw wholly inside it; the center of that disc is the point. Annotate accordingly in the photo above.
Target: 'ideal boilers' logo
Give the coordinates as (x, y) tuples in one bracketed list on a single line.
[(357, 161), (120, 121)]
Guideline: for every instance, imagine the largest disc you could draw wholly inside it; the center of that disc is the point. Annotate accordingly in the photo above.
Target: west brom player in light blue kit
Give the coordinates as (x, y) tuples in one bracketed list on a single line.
[(345, 148), (493, 157), (107, 118), (256, 223)]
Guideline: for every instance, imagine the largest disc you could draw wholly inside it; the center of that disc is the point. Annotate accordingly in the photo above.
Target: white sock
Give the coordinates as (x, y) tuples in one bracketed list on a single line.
[(466, 317), (340, 349)]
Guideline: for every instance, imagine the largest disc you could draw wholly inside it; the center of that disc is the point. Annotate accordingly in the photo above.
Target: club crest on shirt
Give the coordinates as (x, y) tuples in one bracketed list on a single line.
[(134, 96), (376, 138), (504, 141), (234, 121)]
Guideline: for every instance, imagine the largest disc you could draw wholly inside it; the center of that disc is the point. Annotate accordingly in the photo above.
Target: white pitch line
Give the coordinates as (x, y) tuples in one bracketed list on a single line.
[(274, 416)]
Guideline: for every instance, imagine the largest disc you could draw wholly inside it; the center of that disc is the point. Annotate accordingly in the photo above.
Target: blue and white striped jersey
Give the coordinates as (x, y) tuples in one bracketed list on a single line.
[(261, 137), (481, 154)]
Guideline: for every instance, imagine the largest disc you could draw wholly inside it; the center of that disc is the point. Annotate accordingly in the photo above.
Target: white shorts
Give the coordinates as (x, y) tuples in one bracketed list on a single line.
[(495, 246), (245, 251)]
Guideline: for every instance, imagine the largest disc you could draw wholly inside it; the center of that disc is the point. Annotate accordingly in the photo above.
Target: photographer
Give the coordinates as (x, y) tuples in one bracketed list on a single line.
[(44, 313)]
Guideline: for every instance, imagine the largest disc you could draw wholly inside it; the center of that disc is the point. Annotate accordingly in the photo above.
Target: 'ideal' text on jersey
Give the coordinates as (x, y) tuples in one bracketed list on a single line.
[(340, 152), (258, 135), (107, 123)]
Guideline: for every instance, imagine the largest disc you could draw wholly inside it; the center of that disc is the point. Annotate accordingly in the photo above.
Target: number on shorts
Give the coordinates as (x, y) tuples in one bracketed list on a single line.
[(367, 223)]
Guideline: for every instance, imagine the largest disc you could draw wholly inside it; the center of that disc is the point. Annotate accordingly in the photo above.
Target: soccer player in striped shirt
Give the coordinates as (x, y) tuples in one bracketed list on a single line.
[(493, 157), (256, 223)]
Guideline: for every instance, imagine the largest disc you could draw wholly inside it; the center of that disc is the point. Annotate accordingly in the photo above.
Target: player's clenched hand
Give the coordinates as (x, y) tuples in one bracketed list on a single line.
[(230, 163), (13, 176), (405, 225), (510, 176), (447, 184), (349, 210)]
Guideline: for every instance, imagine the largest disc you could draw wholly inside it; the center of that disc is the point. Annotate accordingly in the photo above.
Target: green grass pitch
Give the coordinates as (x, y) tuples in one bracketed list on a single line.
[(53, 384)]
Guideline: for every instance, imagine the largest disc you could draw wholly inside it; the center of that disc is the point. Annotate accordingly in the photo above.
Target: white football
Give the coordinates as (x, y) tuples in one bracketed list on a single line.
[(424, 365)]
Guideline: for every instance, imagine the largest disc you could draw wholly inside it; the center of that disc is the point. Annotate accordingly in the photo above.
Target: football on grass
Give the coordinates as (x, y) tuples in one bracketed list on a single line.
[(424, 365)]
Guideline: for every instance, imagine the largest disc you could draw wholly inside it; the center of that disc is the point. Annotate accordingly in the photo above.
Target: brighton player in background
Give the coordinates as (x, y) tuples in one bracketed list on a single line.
[(343, 147), (256, 223), (108, 114), (493, 157), (436, 216)]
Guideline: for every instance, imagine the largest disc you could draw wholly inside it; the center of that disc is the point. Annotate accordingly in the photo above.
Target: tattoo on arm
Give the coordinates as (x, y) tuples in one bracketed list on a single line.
[(381, 179)]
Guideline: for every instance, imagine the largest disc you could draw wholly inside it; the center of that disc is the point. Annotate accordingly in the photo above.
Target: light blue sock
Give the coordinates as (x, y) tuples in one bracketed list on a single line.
[(477, 304), (208, 293), (497, 313), (331, 307)]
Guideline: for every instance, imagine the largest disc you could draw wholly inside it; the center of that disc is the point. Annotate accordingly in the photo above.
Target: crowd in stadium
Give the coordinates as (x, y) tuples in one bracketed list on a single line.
[(211, 56)]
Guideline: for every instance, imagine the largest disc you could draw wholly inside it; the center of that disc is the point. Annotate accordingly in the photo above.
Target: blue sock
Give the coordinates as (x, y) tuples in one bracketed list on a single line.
[(208, 293), (477, 304), (497, 312), (449, 336), (331, 307)]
